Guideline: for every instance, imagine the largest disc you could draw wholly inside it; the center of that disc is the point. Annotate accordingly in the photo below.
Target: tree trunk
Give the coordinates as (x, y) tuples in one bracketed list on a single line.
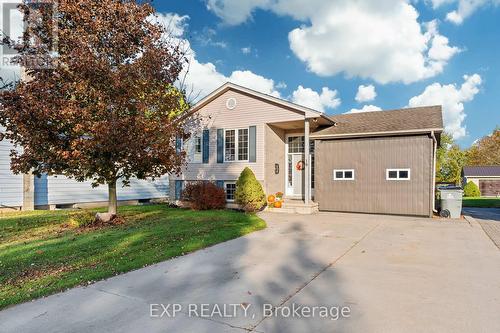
[(112, 201)]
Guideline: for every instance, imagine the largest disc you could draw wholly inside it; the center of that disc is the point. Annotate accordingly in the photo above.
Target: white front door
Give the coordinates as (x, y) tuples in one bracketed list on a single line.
[(298, 174)]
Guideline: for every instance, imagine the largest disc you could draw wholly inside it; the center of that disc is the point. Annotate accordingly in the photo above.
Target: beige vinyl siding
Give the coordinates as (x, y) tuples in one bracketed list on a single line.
[(370, 192), (275, 154), (250, 111)]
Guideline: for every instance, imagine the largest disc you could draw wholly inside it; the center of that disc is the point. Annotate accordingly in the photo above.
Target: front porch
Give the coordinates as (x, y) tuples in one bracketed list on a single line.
[(292, 152), (296, 206)]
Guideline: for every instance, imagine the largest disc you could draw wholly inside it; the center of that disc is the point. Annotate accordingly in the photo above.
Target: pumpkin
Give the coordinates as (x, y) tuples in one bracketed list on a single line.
[(271, 198), (277, 204)]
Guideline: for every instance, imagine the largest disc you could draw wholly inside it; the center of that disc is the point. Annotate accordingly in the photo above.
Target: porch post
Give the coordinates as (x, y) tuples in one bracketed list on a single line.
[(307, 174)]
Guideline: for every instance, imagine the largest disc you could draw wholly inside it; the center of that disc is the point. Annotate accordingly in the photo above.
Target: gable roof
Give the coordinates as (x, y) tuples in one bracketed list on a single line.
[(482, 171), (410, 120), (308, 112)]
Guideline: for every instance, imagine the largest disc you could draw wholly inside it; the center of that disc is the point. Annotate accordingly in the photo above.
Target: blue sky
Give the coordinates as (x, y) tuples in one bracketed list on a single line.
[(320, 52)]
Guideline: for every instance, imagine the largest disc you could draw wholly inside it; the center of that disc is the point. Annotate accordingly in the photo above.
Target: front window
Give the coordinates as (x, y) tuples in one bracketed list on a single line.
[(230, 188), (236, 145)]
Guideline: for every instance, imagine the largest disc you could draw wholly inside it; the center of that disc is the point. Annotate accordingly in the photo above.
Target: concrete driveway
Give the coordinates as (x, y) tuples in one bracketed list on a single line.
[(394, 274), (489, 219)]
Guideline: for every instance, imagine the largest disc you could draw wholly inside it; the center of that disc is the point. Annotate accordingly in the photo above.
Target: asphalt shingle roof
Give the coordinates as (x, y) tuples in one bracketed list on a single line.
[(429, 117), (482, 171)]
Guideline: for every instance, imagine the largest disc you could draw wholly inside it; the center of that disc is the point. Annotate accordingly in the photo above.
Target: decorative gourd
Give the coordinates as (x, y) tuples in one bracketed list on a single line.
[(277, 204), (271, 198)]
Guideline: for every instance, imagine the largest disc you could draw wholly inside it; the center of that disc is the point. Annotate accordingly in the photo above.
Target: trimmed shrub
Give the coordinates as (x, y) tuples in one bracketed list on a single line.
[(471, 190), (249, 193), (82, 218), (204, 195)]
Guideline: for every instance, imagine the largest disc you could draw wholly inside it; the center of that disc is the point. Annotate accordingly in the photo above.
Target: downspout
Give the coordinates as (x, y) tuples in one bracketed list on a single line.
[(434, 145)]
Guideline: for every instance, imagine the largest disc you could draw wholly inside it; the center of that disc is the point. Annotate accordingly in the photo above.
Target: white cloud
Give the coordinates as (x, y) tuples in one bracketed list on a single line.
[(381, 40), (254, 81), (207, 37), (328, 99), (235, 12), (281, 85), (452, 98), (366, 93), (246, 50), (465, 8), (366, 108), (175, 23), (202, 78)]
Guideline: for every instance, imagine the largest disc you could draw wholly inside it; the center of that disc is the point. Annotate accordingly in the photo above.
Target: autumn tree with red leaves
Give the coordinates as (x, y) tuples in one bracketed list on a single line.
[(105, 106)]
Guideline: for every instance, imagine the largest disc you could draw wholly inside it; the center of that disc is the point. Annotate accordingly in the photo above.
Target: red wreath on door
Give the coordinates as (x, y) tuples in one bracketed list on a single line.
[(300, 166)]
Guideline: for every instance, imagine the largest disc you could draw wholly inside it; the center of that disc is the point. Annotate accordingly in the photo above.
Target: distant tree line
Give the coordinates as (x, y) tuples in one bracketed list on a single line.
[(451, 158)]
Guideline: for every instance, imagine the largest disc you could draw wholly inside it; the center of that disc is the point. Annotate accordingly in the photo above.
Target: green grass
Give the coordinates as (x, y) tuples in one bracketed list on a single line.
[(481, 202), (39, 255)]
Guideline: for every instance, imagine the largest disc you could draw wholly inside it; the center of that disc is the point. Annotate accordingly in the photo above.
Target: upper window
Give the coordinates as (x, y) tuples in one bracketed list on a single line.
[(243, 144), (236, 145), (343, 174), (197, 144), (398, 174), (230, 144), (194, 148)]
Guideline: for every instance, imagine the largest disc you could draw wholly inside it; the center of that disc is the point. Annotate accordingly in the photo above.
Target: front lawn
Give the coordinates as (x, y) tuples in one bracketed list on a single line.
[(40, 254), (481, 202)]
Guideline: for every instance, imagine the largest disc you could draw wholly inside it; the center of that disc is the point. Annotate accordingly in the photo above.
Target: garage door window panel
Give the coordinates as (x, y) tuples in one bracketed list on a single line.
[(398, 174), (343, 174)]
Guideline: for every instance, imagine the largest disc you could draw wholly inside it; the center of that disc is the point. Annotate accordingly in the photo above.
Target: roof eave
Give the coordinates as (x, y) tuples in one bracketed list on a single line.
[(308, 112), (371, 134)]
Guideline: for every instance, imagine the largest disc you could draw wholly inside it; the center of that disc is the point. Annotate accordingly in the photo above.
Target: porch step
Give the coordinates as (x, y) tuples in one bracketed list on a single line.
[(295, 207)]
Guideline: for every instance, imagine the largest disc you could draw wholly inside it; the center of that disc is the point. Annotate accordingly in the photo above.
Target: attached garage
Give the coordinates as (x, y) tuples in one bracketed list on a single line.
[(375, 175), (378, 162)]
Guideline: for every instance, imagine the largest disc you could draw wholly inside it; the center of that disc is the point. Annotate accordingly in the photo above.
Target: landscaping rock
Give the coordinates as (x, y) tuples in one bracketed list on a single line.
[(104, 217)]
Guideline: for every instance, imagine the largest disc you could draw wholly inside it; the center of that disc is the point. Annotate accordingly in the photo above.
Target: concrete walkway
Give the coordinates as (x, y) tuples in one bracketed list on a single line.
[(489, 219), (394, 274)]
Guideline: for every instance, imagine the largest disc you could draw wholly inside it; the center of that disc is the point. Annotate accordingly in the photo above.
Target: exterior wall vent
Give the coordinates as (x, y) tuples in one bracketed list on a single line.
[(231, 103)]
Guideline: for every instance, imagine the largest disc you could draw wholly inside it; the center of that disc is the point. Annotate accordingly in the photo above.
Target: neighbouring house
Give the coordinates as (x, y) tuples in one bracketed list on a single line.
[(28, 192), (11, 186), (50, 192), (487, 178), (375, 162)]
